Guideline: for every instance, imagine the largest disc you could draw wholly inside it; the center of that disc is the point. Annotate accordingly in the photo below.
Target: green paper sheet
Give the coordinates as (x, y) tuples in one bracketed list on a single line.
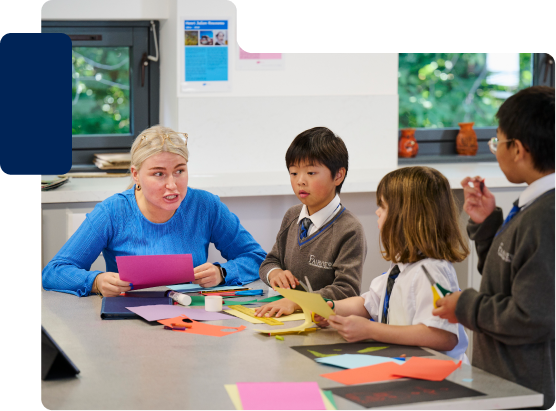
[(270, 299), (330, 397), (199, 301)]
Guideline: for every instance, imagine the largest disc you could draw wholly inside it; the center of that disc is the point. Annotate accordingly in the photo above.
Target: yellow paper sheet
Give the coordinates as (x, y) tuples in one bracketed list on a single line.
[(233, 392), (327, 402), (291, 317), (309, 302)]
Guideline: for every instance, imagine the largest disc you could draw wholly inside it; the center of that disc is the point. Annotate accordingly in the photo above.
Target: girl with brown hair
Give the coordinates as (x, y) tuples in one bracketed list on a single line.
[(418, 223)]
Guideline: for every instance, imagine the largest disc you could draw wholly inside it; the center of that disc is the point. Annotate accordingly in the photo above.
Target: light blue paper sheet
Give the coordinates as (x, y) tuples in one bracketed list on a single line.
[(355, 360), (190, 288)]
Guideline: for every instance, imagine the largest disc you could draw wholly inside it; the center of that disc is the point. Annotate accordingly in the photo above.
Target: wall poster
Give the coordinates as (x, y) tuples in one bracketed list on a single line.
[(205, 56)]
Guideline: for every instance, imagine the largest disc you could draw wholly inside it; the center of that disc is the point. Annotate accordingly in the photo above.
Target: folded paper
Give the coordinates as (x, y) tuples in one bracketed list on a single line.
[(145, 271)]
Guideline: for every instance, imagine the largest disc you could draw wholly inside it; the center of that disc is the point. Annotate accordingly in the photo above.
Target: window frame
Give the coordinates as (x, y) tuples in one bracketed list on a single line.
[(438, 145), (144, 101)]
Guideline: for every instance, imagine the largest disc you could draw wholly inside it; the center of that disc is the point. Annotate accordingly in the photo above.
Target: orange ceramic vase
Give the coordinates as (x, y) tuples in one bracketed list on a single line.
[(466, 141), (407, 146)]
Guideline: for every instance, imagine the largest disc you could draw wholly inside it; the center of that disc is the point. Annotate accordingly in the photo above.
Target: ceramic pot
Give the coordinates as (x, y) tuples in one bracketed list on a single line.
[(466, 141), (407, 146)]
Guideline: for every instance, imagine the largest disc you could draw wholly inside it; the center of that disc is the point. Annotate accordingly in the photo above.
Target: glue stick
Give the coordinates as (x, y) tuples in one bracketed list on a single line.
[(180, 298)]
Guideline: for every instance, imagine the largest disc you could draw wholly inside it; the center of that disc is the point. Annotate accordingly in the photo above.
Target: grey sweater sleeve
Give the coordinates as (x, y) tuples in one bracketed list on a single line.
[(522, 312), (274, 259), (484, 233)]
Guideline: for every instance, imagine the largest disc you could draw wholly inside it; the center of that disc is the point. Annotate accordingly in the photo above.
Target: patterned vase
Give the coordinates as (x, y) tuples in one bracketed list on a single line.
[(466, 141), (407, 146)]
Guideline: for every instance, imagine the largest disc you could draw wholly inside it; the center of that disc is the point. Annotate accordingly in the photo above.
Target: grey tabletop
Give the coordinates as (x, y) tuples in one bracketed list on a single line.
[(133, 364)]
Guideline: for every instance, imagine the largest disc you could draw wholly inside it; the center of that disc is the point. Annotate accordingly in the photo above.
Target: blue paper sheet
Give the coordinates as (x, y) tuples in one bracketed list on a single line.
[(355, 360), (190, 288)]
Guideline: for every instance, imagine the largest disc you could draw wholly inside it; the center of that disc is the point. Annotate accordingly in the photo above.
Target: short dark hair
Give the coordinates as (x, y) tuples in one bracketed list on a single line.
[(319, 145), (528, 116)]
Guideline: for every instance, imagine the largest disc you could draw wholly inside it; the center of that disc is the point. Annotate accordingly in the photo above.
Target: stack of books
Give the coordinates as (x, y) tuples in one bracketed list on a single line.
[(113, 161), (52, 184)]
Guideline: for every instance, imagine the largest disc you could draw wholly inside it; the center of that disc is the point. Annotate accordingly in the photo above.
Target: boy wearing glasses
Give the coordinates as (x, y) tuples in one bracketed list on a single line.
[(512, 315)]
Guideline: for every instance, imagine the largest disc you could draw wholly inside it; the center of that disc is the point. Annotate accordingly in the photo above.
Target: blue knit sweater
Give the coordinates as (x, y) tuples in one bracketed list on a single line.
[(116, 227)]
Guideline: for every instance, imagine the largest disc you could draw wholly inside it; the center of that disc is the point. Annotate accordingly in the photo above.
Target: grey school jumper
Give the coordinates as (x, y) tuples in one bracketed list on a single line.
[(332, 258), (513, 313)]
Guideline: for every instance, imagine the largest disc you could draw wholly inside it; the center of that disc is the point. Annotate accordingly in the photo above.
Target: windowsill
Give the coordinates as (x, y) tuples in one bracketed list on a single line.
[(447, 158)]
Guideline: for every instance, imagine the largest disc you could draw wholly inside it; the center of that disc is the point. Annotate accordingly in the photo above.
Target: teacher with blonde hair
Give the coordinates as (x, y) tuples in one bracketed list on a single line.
[(158, 214)]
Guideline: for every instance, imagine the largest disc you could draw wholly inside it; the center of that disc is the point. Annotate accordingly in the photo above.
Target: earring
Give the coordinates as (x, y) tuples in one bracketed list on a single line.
[(138, 187)]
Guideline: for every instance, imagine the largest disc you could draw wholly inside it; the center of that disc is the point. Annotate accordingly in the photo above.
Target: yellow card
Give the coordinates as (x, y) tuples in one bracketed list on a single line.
[(309, 302), (291, 317), (233, 392)]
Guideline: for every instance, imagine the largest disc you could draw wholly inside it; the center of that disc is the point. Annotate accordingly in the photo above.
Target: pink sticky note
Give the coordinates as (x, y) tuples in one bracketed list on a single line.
[(280, 396), (145, 271)]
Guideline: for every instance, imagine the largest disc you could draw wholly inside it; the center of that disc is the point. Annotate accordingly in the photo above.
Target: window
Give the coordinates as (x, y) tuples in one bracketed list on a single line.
[(114, 96), (439, 90)]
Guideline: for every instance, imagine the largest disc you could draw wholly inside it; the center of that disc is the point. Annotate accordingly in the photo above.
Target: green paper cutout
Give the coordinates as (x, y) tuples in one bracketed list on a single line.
[(337, 349), (279, 337), (318, 354), (328, 394), (371, 349), (233, 302)]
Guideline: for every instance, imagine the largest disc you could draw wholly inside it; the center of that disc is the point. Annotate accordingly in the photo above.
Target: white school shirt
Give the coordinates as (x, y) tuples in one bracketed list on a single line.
[(535, 190), (411, 301), (318, 219)]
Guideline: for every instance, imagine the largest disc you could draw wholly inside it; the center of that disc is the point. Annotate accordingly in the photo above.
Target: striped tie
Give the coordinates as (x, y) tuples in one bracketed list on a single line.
[(515, 209), (391, 280), (305, 224)]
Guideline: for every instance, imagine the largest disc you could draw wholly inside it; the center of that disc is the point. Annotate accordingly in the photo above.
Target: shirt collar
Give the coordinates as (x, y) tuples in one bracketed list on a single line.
[(536, 189), (320, 217)]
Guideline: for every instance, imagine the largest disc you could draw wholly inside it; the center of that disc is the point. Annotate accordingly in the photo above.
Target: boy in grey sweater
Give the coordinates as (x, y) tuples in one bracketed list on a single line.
[(512, 315), (320, 238)]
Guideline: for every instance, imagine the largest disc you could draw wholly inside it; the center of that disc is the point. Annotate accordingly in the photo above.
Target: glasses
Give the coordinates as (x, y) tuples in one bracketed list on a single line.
[(163, 138), (493, 144)]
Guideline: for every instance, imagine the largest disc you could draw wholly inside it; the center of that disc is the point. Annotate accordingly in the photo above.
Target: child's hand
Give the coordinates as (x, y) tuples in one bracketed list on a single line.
[(447, 307), (282, 279), (479, 203), (352, 328), (277, 308), (321, 321)]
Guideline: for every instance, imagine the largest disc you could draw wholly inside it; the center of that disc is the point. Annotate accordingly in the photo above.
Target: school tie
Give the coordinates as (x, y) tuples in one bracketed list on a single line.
[(515, 209), (391, 280), (305, 224)]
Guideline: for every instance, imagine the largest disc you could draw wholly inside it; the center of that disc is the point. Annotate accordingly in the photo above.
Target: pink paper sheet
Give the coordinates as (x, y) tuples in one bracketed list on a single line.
[(145, 271), (280, 396), (161, 312)]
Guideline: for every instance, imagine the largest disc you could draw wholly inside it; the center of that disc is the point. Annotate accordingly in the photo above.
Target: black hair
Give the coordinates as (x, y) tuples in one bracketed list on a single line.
[(319, 145), (528, 116)]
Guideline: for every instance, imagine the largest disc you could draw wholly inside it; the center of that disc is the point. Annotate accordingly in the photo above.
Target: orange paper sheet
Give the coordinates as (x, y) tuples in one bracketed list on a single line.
[(202, 328), (427, 368), (372, 373)]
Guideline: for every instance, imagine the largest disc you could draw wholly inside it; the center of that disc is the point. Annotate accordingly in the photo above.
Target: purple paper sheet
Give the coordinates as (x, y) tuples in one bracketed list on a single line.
[(145, 271), (161, 312)]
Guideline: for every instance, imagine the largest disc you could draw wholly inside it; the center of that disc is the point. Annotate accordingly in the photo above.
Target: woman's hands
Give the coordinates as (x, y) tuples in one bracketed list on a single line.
[(479, 201), (282, 278), (277, 308), (110, 285), (207, 275)]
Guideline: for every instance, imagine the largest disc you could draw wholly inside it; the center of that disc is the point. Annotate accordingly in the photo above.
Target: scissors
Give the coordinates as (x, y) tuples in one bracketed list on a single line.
[(309, 289), (437, 289)]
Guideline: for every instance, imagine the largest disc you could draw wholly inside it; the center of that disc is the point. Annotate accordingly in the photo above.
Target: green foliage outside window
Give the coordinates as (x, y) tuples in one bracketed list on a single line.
[(100, 90), (443, 89)]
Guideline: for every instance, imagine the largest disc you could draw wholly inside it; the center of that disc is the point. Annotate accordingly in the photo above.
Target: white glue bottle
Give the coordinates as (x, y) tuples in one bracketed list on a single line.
[(180, 298)]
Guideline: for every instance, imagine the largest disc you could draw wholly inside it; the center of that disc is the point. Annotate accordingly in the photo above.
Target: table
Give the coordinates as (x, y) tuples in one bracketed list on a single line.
[(132, 364)]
